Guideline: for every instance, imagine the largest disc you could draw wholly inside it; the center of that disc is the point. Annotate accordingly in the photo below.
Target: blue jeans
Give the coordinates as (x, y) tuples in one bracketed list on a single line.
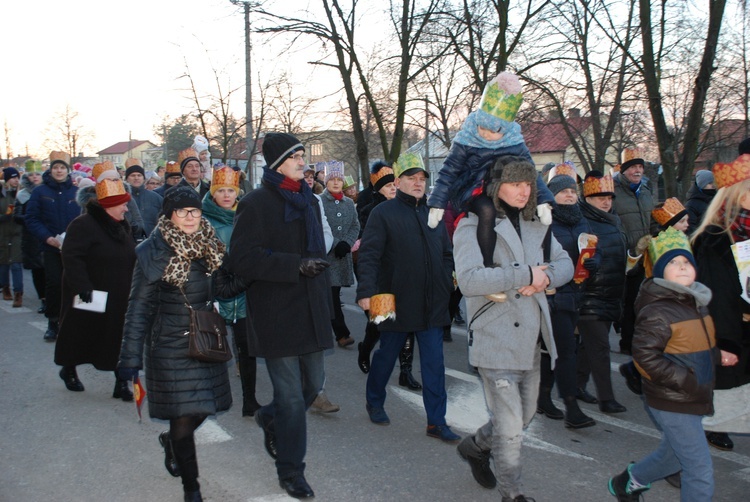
[(16, 272), (511, 397), (430, 342), (296, 380), (683, 447)]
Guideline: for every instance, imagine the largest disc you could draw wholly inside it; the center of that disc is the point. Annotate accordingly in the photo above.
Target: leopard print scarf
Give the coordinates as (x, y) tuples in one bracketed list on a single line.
[(188, 247)]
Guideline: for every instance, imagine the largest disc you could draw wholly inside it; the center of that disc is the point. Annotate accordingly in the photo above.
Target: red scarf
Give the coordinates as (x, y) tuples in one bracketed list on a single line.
[(337, 196), (741, 226), (290, 184)]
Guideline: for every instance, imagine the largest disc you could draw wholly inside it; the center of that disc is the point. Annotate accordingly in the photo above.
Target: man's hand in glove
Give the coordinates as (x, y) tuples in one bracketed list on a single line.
[(85, 296), (311, 267), (435, 216), (341, 249), (591, 264)]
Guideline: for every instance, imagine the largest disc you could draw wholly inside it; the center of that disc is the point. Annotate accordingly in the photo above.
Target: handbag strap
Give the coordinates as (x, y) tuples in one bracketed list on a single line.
[(187, 302)]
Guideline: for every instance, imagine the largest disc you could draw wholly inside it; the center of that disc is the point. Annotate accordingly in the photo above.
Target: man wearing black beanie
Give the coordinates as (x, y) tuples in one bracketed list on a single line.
[(277, 248)]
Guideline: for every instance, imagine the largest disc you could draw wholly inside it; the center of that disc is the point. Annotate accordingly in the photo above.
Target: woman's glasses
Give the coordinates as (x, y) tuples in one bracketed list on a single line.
[(182, 213)]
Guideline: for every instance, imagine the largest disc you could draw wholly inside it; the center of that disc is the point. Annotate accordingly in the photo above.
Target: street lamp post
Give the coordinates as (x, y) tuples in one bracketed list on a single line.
[(249, 140)]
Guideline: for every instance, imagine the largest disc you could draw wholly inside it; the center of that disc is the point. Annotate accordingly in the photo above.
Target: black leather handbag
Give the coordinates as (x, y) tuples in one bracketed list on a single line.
[(207, 335)]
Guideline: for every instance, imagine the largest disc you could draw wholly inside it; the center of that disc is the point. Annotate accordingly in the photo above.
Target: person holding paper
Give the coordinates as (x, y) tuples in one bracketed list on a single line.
[(98, 255), (726, 225)]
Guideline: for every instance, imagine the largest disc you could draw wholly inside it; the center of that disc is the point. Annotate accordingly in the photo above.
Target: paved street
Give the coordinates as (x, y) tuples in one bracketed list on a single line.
[(60, 445)]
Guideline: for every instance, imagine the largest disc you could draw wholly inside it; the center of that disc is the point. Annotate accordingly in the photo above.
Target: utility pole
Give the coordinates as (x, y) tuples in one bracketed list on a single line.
[(427, 134), (250, 137)]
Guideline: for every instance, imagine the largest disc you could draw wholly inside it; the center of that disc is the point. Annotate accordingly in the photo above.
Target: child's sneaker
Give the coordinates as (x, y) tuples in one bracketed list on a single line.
[(621, 487)]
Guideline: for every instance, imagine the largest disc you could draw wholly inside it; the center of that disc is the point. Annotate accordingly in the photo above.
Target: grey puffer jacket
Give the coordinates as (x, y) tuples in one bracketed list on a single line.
[(156, 321)]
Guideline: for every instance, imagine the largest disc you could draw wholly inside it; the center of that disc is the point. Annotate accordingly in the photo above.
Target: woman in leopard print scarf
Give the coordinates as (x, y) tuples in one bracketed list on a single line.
[(203, 243)]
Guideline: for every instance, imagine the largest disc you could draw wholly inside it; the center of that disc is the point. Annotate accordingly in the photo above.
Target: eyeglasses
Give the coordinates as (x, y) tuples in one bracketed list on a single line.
[(297, 157), (182, 213)]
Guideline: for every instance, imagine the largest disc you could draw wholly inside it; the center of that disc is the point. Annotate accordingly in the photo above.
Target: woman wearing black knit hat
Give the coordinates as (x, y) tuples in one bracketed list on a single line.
[(174, 267)]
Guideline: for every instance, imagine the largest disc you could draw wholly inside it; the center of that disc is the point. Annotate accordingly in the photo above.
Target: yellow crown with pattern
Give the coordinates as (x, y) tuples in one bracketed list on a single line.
[(502, 96), (630, 154), (172, 167), (99, 168), (669, 212), (186, 153), (109, 188), (226, 177), (564, 169), (407, 161), (594, 185), (668, 240), (733, 172)]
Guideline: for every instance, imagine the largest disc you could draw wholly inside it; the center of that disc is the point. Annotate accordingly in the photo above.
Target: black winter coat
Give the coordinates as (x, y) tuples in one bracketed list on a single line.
[(149, 204), (696, 205), (30, 245), (290, 314), (158, 319), (604, 290), (568, 297), (401, 255), (98, 253)]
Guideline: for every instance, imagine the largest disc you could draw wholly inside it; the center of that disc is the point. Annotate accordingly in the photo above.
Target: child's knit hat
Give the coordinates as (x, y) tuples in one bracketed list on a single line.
[(665, 246)]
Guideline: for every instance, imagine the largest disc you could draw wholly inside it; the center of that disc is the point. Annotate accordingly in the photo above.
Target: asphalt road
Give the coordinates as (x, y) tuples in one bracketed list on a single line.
[(65, 446)]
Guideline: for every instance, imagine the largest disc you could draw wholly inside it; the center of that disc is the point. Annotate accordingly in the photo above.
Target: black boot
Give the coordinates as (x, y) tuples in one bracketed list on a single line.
[(52, 328), (406, 379), (184, 451), (248, 368), (365, 347), (545, 406), (170, 462), (574, 417), (70, 377), (121, 390), (43, 307)]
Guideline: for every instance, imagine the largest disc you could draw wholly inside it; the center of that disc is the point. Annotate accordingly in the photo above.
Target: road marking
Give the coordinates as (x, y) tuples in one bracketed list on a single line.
[(40, 325), (7, 307), (211, 432)]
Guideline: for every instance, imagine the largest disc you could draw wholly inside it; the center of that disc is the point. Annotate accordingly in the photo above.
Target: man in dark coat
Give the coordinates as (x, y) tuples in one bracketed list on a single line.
[(190, 166), (401, 255), (148, 202), (51, 207), (278, 251)]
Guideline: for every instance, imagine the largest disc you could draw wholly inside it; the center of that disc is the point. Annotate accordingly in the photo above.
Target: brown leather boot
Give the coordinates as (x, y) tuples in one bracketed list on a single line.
[(6, 294), (18, 300)]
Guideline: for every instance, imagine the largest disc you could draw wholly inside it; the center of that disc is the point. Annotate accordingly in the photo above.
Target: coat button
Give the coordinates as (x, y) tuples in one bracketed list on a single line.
[(518, 296), (338, 228), (336, 202), (338, 214), (516, 324)]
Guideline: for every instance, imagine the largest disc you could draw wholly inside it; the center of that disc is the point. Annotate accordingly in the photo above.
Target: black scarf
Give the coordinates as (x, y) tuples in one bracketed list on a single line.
[(298, 204), (567, 214)]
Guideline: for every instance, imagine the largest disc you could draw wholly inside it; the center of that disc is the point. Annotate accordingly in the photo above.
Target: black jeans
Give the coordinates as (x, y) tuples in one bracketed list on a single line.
[(340, 330), (593, 357), (563, 328)]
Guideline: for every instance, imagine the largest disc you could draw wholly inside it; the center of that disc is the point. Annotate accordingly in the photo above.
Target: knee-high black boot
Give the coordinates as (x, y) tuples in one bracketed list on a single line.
[(372, 335), (184, 452), (406, 379), (248, 368)]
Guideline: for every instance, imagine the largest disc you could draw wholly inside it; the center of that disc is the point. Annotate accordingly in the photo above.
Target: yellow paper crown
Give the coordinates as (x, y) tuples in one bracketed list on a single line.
[(186, 153), (348, 182), (598, 186), (98, 169), (132, 162), (667, 240), (734, 172), (226, 177), (408, 161), (667, 211), (630, 154), (109, 188), (59, 156), (502, 96)]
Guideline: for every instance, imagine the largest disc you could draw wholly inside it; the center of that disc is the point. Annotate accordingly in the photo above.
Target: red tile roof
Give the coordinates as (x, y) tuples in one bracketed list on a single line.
[(542, 137), (122, 147)]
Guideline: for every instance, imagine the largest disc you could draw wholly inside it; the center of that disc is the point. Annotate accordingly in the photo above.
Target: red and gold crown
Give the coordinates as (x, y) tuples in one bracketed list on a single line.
[(226, 177), (669, 212), (172, 167), (59, 157), (111, 192), (99, 168), (630, 154), (185, 154), (132, 162), (734, 172), (563, 169), (594, 185)]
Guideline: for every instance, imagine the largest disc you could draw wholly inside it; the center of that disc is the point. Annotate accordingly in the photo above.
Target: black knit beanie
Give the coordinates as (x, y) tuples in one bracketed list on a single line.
[(561, 182), (134, 169), (278, 146), (179, 196)]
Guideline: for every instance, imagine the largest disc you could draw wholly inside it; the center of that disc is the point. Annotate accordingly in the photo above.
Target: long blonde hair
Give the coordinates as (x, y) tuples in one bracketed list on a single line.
[(728, 199)]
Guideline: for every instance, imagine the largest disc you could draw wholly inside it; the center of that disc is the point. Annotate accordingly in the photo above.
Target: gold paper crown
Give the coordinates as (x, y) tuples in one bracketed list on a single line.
[(98, 169), (630, 154), (226, 177), (734, 172), (132, 162), (109, 188), (186, 153), (563, 169), (59, 156), (502, 97), (384, 171), (33, 166), (172, 167), (667, 240), (667, 211), (594, 186), (407, 161)]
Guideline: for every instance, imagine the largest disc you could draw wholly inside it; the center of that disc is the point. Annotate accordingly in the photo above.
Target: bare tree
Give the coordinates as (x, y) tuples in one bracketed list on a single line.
[(64, 133)]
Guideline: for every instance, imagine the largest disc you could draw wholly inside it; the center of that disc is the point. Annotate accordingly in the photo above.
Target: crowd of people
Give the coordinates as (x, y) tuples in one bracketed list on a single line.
[(548, 263)]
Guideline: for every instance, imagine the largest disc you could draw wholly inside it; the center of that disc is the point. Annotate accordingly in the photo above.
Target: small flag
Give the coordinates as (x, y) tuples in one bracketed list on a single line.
[(140, 394)]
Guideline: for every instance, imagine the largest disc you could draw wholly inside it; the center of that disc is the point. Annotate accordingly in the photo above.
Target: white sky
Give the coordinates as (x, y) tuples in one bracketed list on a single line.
[(114, 63)]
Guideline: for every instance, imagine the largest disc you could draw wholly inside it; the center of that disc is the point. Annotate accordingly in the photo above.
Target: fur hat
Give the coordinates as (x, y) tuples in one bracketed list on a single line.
[(734, 172), (501, 99), (56, 157), (703, 178), (665, 246), (279, 146), (380, 175), (186, 156), (226, 177), (179, 196), (512, 169), (669, 212), (596, 183)]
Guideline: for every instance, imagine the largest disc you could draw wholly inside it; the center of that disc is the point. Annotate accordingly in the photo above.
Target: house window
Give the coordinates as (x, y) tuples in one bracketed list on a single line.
[(316, 150)]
